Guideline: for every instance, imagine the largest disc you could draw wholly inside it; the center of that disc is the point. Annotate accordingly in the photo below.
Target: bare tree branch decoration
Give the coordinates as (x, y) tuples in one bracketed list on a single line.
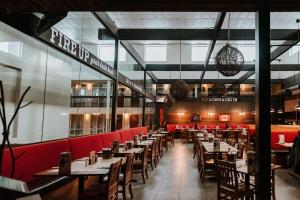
[(6, 127)]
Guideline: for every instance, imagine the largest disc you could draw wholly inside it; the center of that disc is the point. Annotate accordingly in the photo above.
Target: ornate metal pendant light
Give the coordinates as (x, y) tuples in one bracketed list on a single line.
[(229, 60), (179, 89)]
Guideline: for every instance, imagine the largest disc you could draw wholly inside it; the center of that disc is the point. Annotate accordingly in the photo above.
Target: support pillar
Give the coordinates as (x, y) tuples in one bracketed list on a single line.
[(262, 105)]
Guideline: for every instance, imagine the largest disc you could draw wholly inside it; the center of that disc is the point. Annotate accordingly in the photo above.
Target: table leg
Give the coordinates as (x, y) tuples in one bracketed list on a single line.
[(247, 182), (81, 184)]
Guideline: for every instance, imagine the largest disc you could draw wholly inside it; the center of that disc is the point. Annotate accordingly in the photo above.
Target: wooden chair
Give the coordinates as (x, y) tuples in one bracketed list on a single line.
[(241, 148), (107, 191), (157, 151), (152, 155), (161, 148), (170, 138), (207, 164), (229, 184), (184, 135), (126, 176), (165, 143), (140, 166)]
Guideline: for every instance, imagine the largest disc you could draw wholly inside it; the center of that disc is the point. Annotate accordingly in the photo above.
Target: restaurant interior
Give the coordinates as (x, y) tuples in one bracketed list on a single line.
[(149, 101)]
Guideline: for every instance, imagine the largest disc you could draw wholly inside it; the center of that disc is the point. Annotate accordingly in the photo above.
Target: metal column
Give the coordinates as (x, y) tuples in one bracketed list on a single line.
[(114, 103), (262, 105)]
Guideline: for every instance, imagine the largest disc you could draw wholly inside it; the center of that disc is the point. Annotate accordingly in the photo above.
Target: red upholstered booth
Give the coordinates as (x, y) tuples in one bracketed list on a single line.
[(126, 135), (108, 138), (289, 137), (82, 146), (34, 158), (137, 130)]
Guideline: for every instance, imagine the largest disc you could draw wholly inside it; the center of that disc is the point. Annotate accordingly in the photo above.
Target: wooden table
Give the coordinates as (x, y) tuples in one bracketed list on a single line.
[(80, 169), (286, 144), (224, 147), (242, 167), (160, 134), (144, 143), (153, 138), (123, 153)]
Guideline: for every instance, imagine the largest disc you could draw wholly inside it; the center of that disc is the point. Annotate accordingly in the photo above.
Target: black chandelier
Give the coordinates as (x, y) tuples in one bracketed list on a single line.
[(179, 89), (229, 60)]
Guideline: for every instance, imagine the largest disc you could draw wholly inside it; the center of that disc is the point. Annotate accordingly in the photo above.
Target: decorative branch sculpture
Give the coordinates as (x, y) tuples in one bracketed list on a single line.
[(6, 127)]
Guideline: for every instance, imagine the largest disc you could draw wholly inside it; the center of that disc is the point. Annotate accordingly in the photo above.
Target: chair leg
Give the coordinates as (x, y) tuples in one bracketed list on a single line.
[(143, 176), (130, 190), (124, 191), (151, 164), (146, 172)]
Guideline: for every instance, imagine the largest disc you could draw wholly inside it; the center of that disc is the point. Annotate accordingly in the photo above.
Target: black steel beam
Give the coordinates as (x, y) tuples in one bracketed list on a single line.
[(245, 76), (200, 67), (212, 81), (144, 5), (217, 28), (201, 34), (262, 106), (283, 48)]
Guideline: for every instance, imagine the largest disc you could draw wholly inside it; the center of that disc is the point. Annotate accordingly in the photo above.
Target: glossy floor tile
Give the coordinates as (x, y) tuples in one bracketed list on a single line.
[(177, 178)]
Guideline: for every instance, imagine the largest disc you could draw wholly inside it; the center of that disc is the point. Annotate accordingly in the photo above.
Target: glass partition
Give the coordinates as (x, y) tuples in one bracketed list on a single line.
[(130, 108), (69, 98)]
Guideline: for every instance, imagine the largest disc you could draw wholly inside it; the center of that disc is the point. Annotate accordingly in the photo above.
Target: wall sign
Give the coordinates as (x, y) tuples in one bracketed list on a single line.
[(224, 118), (219, 99), (124, 80), (135, 86), (64, 43), (161, 117)]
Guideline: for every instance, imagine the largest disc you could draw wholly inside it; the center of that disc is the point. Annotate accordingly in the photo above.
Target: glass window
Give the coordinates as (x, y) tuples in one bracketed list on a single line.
[(199, 52), (69, 98), (130, 108), (149, 113), (131, 68), (150, 85), (106, 52), (13, 48), (156, 53)]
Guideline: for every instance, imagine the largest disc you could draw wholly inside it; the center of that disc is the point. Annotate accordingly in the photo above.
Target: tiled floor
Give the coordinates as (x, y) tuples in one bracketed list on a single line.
[(177, 178)]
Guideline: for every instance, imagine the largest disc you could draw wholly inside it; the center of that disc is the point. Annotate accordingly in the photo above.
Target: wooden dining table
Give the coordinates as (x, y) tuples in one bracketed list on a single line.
[(80, 169), (122, 152), (223, 148), (242, 167)]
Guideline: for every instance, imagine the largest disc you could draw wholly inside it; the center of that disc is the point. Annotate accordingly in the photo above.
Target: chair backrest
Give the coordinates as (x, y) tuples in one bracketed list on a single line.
[(241, 148), (160, 144), (128, 168), (227, 175), (113, 181), (153, 149), (157, 146), (145, 157)]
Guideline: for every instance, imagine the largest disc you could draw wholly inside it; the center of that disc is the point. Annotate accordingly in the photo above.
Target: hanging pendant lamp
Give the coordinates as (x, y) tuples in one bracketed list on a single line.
[(229, 60), (179, 89)]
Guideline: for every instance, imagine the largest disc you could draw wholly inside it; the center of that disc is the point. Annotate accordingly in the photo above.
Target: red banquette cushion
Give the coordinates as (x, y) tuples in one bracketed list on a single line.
[(108, 138), (289, 137), (82, 146), (126, 135), (138, 130), (34, 158)]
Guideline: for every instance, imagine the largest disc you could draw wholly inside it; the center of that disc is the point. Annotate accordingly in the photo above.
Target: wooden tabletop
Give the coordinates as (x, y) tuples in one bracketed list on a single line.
[(152, 138), (242, 166), (162, 134), (79, 167), (130, 151), (145, 143), (224, 147), (286, 144)]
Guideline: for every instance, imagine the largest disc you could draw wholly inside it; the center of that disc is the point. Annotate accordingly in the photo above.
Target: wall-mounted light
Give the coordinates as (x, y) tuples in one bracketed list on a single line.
[(210, 113), (126, 115), (242, 113), (253, 112), (180, 113), (87, 117)]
